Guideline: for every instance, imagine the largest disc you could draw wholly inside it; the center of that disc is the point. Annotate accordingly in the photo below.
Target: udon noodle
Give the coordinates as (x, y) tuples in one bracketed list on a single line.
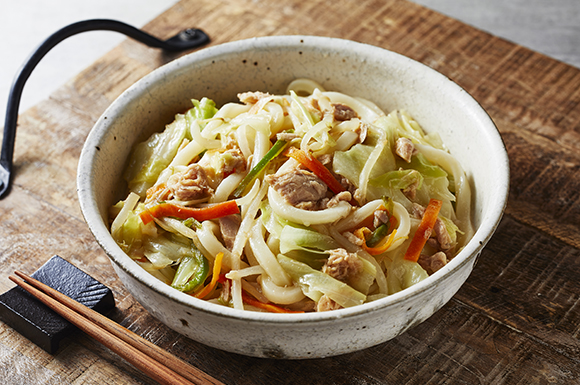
[(309, 201)]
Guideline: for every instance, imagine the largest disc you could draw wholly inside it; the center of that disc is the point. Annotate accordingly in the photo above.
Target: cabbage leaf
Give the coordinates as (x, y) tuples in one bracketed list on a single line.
[(350, 164), (151, 157), (402, 274), (315, 283)]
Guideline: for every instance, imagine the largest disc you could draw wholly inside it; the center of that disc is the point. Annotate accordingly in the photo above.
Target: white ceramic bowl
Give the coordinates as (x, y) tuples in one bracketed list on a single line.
[(269, 64)]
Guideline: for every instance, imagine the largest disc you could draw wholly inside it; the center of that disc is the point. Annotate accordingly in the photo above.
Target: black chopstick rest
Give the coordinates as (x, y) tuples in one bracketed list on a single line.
[(36, 321)]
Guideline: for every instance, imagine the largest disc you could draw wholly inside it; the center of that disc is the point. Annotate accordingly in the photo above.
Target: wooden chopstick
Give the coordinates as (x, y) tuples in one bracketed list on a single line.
[(147, 357)]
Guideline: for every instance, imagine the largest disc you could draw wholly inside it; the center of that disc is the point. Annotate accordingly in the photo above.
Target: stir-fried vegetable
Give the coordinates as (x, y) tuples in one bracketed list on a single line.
[(380, 248), (296, 238), (423, 166), (350, 164), (402, 274), (215, 211), (314, 165), (191, 273), (272, 308), (214, 278), (276, 150), (424, 230), (203, 109), (315, 283), (127, 230), (150, 158), (382, 230), (399, 179)]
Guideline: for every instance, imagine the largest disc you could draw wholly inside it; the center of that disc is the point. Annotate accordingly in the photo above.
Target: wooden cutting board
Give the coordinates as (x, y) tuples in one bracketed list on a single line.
[(515, 321)]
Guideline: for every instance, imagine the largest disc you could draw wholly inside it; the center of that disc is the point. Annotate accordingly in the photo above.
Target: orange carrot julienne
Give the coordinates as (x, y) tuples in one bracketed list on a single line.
[(382, 247), (424, 230), (363, 232), (200, 214), (266, 306), (217, 266), (314, 165)]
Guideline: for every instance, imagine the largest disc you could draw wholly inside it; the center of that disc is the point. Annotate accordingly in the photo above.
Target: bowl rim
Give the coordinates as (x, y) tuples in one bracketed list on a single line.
[(97, 226)]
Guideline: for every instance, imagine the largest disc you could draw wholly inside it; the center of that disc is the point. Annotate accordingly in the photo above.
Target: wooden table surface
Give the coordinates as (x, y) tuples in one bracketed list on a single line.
[(515, 321)]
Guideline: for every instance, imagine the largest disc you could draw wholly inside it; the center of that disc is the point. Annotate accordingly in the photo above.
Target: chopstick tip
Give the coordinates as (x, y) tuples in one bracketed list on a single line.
[(20, 274), (13, 278)]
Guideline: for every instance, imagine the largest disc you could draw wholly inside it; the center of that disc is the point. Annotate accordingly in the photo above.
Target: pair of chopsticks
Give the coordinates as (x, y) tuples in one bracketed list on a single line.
[(157, 363)]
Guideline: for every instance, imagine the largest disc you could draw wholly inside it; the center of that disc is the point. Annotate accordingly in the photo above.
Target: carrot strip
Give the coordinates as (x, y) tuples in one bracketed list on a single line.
[(362, 233), (424, 230), (314, 165), (382, 247), (266, 306), (217, 266), (379, 234), (200, 214)]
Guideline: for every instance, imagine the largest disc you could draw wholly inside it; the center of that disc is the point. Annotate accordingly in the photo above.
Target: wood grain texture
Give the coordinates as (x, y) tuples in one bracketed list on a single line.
[(515, 321), (548, 27)]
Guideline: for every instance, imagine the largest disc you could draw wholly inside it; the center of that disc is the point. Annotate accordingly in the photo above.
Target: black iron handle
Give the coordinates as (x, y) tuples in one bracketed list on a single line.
[(186, 39)]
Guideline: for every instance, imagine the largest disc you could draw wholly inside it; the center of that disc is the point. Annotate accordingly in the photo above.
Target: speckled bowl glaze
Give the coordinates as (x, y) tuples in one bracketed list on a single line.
[(269, 64)]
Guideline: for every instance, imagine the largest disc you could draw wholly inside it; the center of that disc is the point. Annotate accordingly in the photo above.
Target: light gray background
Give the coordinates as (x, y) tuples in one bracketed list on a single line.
[(548, 26)]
